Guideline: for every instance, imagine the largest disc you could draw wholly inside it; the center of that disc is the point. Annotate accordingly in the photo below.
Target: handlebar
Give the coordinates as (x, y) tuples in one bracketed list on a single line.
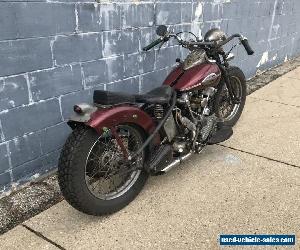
[(182, 42), (153, 44), (244, 42), (222, 43), (216, 45)]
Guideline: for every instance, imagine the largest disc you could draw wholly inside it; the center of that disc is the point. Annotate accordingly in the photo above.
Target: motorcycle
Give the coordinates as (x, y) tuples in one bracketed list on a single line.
[(121, 139)]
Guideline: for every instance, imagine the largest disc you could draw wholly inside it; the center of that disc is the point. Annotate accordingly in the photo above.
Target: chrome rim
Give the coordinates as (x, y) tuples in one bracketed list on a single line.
[(227, 110), (106, 175)]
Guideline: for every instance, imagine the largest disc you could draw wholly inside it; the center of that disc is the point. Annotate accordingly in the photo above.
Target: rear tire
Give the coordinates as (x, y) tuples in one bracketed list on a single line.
[(222, 98), (72, 175)]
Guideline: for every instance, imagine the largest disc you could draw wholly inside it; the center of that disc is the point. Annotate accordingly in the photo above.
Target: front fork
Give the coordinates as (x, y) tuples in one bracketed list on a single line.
[(233, 97)]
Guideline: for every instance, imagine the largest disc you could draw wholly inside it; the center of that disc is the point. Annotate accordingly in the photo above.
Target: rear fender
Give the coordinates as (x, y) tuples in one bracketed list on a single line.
[(106, 118)]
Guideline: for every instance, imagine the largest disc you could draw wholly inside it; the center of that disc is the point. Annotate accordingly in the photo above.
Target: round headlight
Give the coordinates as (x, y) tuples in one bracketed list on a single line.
[(214, 35)]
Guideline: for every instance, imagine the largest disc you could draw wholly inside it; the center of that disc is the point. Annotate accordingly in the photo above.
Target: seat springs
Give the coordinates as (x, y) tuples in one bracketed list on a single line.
[(158, 111)]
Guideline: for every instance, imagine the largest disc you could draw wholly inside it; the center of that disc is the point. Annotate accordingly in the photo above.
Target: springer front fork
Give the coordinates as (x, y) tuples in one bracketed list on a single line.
[(225, 76)]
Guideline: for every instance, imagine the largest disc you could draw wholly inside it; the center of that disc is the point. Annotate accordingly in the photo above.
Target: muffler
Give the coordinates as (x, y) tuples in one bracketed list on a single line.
[(176, 162)]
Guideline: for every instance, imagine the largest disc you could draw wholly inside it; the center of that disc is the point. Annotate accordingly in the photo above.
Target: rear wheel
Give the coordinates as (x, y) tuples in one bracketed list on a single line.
[(92, 174), (225, 109)]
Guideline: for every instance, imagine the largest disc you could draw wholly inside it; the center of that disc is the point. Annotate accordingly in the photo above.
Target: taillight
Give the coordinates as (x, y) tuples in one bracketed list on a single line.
[(77, 109)]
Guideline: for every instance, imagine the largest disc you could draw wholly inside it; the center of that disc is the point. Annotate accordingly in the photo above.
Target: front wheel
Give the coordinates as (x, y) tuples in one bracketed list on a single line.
[(91, 171), (224, 108)]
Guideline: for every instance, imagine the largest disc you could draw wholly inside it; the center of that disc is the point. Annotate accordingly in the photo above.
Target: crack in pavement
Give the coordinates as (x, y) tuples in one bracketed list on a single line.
[(40, 235), (291, 105), (260, 156)]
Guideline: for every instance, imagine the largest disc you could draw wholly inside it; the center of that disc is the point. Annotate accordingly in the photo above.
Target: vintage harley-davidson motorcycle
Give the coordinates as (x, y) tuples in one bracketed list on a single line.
[(121, 139)]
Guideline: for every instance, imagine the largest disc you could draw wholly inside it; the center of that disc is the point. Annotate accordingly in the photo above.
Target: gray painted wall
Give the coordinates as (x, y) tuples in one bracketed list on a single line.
[(53, 54)]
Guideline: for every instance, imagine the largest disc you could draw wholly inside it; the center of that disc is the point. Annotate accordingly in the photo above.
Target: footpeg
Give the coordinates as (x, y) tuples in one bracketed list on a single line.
[(221, 135)]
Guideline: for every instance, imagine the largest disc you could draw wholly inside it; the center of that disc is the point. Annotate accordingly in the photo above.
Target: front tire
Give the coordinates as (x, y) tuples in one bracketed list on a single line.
[(224, 108), (76, 170)]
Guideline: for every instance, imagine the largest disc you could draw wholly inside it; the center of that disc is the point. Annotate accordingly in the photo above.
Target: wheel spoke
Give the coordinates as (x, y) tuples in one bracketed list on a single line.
[(106, 174), (227, 108), (94, 174)]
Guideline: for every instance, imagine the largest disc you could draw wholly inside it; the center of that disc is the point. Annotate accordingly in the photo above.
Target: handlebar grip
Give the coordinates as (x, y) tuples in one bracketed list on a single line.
[(247, 47), (153, 44)]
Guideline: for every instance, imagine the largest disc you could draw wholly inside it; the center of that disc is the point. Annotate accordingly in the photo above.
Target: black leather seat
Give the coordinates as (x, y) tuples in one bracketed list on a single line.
[(160, 95)]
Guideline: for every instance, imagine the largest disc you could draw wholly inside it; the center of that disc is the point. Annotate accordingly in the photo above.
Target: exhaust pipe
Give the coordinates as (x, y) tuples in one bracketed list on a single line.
[(175, 163)]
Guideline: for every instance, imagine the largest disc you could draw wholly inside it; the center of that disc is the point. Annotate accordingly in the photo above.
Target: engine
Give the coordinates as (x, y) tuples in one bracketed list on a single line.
[(198, 101), (191, 121), (193, 117)]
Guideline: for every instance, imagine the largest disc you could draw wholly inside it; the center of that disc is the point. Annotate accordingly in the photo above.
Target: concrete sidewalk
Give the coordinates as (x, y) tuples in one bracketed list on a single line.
[(248, 185)]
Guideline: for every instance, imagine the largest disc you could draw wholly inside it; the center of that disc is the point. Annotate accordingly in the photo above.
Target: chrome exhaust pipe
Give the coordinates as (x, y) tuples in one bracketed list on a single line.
[(176, 162)]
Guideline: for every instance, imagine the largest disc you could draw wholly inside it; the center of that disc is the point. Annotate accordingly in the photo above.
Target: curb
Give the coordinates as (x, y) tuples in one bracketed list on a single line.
[(29, 201), (38, 196), (272, 74)]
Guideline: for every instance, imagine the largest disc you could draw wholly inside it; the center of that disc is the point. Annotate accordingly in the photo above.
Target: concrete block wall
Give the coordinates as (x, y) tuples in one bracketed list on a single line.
[(53, 54)]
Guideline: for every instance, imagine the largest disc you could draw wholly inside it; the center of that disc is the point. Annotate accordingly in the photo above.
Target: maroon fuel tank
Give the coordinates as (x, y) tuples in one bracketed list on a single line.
[(197, 77)]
